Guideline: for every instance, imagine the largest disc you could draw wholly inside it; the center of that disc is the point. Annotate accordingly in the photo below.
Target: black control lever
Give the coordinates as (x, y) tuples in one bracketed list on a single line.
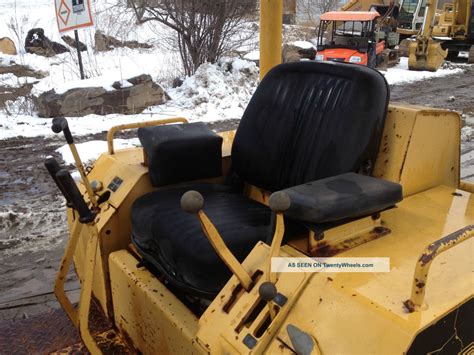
[(66, 181), (53, 168), (60, 125)]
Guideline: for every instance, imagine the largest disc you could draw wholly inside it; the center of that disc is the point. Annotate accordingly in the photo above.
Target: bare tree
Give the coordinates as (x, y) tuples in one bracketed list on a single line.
[(313, 8), (205, 29)]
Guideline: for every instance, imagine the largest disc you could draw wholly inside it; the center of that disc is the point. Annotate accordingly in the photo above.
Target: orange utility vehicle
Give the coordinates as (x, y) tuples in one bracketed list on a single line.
[(349, 36)]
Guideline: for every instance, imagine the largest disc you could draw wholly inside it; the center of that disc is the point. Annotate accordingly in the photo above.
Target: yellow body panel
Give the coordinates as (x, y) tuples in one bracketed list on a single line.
[(147, 312), (356, 313)]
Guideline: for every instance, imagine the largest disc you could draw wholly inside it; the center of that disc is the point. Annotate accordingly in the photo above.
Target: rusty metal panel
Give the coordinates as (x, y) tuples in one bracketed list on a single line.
[(48, 332), (433, 155), (241, 325), (150, 316), (39, 334), (419, 148), (393, 146)]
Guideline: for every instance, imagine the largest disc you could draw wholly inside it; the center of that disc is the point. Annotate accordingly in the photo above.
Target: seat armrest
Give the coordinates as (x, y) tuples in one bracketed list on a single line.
[(341, 197)]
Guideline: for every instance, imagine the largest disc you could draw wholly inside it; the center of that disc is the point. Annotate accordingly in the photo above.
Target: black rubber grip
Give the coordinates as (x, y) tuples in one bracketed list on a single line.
[(53, 167), (60, 125), (65, 179)]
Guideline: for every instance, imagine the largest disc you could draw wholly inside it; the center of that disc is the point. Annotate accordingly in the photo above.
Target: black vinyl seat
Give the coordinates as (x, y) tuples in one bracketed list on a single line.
[(307, 121), (164, 232)]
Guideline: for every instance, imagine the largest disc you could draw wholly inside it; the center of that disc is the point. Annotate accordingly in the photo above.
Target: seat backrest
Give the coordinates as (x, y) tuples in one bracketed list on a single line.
[(310, 120)]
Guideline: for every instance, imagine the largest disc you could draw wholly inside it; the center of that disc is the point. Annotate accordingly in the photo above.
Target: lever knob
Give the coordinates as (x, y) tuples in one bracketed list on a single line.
[(60, 125), (267, 291), (279, 201), (192, 201)]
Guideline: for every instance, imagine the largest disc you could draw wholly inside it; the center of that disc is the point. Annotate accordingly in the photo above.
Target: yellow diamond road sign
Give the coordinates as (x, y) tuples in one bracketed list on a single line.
[(73, 14)]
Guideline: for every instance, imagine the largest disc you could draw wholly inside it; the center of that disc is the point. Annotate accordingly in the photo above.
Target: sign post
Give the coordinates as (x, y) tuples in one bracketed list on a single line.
[(79, 55), (72, 15)]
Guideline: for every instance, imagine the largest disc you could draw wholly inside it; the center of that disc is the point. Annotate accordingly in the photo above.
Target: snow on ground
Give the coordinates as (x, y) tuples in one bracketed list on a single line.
[(89, 151), (302, 44), (400, 73)]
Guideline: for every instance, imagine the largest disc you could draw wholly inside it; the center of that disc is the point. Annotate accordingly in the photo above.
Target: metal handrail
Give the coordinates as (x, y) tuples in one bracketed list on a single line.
[(423, 264), (123, 127)]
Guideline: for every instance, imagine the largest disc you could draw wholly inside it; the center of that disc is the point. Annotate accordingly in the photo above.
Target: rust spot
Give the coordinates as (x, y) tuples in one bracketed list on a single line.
[(375, 216), (420, 284), (323, 249), (330, 279), (449, 240), (320, 299), (353, 295), (409, 306)]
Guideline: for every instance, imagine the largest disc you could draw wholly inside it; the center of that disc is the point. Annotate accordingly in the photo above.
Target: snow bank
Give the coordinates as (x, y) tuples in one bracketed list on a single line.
[(217, 91)]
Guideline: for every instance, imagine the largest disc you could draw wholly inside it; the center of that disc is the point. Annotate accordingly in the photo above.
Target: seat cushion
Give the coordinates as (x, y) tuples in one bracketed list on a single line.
[(308, 121), (341, 197), (173, 241)]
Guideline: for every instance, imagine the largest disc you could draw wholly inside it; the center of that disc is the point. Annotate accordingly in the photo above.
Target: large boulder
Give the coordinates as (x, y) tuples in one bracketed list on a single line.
[(7, 46), (105, 43), (127, 97), (37, 43), (295, 51)]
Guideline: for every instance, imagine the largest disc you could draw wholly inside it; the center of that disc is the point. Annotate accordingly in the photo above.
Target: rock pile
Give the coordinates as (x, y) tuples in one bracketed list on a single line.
[(128, 97), (105, 43)]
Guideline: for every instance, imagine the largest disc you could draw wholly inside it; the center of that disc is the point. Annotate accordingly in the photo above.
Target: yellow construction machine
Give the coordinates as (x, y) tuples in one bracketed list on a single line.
[(453, 33), (200, 242), (410, 17)]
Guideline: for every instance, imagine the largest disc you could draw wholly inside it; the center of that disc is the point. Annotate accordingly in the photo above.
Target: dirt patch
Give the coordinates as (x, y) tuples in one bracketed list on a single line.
[(452, 92)]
